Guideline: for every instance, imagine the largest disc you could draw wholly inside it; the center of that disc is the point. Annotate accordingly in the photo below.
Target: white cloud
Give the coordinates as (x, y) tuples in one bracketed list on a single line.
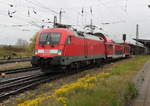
[(122, 18)]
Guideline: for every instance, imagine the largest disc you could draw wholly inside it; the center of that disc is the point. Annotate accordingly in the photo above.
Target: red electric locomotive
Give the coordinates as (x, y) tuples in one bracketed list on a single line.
[(65, 47)]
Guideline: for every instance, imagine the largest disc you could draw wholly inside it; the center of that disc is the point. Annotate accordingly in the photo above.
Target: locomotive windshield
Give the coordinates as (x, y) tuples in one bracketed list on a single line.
[(52, 38)]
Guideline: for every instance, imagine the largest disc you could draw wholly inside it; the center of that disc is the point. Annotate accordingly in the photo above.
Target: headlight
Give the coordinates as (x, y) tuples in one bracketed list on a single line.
[(39, 51), (59, 52), (36, 51)]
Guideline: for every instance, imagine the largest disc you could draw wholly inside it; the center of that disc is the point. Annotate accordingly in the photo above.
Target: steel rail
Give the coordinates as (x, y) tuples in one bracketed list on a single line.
[(19, 70), (23, 85), (18, 79)]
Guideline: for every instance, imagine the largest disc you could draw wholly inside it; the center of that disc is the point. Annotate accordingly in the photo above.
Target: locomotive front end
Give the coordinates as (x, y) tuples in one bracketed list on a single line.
[(49, 48)]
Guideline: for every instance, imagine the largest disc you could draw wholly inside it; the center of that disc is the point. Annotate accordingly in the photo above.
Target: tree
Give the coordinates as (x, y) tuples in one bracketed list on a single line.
[(22, 43), (31, 46)]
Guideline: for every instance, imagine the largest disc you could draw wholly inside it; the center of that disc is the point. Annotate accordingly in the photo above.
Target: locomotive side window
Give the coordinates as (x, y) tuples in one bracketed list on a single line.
[(80, 34), (68, 40), (52, 38)]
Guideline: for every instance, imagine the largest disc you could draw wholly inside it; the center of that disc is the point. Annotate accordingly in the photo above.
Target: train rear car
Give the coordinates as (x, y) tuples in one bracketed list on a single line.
[(114, 50), (127, 49)]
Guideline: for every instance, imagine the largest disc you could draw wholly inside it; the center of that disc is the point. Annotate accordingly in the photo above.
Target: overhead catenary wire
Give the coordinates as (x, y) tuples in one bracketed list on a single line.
[(28, 12), (37, 4), (30, 17), (42, 6), (126, 5), (105, 5)]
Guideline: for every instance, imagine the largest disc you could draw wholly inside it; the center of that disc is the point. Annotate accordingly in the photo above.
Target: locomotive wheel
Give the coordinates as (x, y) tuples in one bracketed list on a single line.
[(99, 63), (68, 69), (71, 68), (76, 67)]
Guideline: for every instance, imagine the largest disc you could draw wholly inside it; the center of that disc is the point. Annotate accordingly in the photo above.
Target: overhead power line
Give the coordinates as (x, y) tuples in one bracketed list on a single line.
[(126, 5), (38, 4)]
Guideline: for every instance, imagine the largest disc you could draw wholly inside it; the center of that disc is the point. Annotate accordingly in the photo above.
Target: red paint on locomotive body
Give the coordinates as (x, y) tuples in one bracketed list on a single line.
[(65, 46), (86, 45), (51, 50)]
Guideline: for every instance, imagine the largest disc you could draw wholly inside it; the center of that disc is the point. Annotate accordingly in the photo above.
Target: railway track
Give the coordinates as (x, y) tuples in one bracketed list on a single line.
[(19, 70), (15, 60), (16, 85)]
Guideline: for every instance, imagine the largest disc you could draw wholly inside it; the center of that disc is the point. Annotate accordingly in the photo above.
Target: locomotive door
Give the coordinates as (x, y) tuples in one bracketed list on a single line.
[(68, 46), (85, 47)]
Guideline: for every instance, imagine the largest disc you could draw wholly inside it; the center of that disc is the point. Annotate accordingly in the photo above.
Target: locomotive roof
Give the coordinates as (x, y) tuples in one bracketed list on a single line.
[(76, 33), (55, 29), (106, 38)]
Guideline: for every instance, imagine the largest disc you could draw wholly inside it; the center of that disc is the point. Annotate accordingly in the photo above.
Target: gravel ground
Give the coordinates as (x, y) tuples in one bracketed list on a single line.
[(14, 65), (142, 81)]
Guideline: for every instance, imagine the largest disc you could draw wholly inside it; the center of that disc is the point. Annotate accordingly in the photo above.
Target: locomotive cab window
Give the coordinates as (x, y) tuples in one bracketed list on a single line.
[(51, 38), (68, 40), (43, 38)]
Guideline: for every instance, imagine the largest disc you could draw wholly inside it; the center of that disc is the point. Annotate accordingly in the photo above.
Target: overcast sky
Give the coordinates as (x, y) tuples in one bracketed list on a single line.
[(27, 16)]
